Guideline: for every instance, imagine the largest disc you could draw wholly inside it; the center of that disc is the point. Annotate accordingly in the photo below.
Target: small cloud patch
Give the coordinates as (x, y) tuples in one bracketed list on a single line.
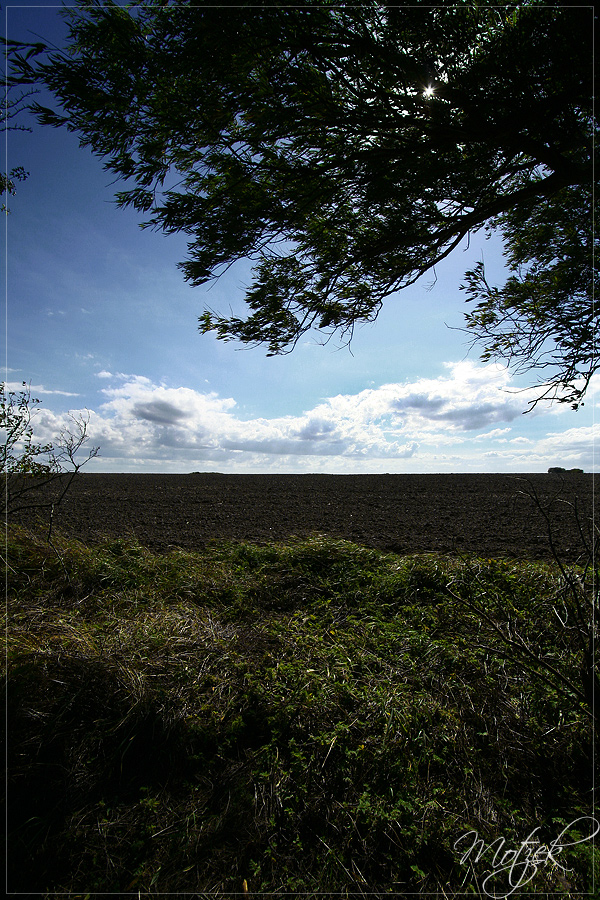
[(158, 411)]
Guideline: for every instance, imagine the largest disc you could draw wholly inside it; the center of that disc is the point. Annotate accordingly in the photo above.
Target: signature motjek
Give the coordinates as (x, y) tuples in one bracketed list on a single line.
[(512, 869)]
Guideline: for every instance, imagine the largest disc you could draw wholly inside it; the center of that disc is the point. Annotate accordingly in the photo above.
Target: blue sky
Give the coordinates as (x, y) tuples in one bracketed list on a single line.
[(100, 320)]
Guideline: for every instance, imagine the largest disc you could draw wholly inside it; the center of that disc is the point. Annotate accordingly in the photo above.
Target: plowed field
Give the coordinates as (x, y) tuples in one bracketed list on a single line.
[(489, 515)]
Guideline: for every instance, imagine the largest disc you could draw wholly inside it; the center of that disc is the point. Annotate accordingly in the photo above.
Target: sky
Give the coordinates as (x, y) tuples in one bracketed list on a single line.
[(100, 324)]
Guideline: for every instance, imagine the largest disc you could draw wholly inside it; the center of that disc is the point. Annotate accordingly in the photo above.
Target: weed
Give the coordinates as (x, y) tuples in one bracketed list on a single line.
[(307, 717)]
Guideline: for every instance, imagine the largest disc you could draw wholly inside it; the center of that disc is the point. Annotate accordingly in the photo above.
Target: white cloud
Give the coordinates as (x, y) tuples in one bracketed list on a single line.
[(422, 425), (469, 398), (573, 447), (494, 433), (36, 389)]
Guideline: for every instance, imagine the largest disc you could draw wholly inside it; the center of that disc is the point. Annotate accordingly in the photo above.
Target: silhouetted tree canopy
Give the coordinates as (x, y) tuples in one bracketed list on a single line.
[(348, 149)]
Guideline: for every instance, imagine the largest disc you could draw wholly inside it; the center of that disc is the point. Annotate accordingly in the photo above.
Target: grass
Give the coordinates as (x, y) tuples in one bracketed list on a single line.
[(299, 718)]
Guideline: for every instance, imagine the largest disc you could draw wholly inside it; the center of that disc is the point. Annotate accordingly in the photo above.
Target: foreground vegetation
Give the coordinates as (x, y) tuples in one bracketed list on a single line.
[(294, 718)]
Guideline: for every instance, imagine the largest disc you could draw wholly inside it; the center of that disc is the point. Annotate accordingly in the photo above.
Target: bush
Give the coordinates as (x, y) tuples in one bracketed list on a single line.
[(28, 467)]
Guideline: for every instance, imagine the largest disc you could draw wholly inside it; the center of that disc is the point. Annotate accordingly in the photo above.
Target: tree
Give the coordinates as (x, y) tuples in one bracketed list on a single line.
[(26, 467), (346, 150)]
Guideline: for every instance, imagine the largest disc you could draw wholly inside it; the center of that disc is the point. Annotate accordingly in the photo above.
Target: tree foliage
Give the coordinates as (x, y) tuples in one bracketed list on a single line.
[(544, 316), (12, 106), (7, 184), (346, 150)]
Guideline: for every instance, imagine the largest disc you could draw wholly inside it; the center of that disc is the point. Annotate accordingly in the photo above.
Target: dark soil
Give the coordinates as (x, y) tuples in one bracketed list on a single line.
[(484, 514)]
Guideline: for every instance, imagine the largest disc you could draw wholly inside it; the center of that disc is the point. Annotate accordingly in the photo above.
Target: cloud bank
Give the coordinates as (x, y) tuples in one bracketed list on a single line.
[(465, 420)]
